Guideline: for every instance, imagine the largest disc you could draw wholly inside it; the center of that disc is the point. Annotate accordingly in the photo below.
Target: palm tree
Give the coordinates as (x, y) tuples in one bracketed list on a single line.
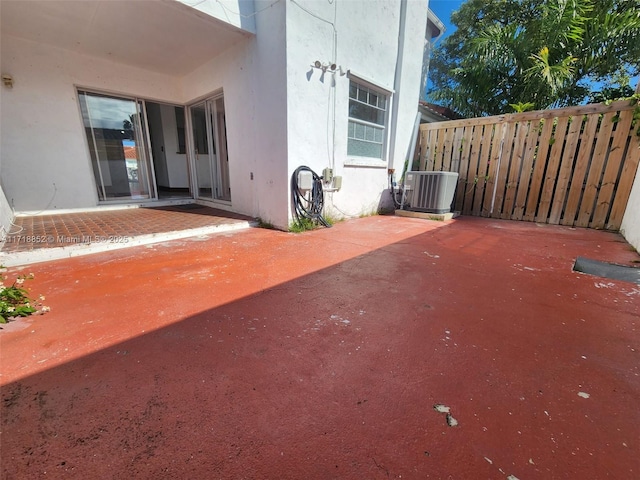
[(549, 53)]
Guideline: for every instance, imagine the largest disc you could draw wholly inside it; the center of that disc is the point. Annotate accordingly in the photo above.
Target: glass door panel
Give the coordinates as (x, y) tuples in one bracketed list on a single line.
[(117, 138), (203, 149), (209, 137), (223, 190)]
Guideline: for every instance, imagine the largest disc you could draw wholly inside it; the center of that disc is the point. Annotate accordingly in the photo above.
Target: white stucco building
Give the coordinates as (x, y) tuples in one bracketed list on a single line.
[(109, 103)]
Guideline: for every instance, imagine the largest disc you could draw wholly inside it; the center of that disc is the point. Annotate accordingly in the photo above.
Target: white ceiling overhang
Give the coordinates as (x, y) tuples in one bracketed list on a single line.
[(163, 36)]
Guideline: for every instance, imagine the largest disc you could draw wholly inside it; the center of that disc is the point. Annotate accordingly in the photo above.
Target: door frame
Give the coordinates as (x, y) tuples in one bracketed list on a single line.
[(142, 130), (214, 144), (141, 104), (165, 132)]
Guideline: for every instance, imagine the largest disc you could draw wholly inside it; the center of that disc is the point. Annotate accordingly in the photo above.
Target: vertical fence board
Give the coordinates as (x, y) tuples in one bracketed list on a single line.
[(580, 171), (552, 169), (527, 167), (595, 170), (437, 161), (629, 170), (448, 150), (456, 150), (423, 140), (425, 151), (503, 170), (433, 140), (494, 161), (540, 164), (417, 154), (606, 195), (470, 185), (432, 154), (564, 173), (481, 174), (464, 167), (514, 169)]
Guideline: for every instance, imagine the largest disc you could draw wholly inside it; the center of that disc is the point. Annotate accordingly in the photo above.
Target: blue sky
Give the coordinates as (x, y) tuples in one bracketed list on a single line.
[(443, 10)]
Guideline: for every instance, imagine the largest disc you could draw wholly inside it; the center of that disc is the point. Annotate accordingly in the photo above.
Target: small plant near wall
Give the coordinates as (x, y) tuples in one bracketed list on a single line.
[(332, 219), (14, 298), (302, 225), (264, 224)]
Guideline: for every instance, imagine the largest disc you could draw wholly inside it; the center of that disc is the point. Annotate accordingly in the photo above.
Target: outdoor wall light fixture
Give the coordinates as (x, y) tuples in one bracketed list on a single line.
[(331, 67), (326, 67), (7, 80)]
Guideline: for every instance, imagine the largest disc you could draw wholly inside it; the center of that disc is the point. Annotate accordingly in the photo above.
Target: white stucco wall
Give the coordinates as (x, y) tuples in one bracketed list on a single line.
[(366, 35), (6, 215), (269, 84), (252, 76), (46, 162), (630, 227)]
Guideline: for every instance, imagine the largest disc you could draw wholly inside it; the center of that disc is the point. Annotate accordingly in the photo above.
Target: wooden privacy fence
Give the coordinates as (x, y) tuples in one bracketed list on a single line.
[(573, 166)]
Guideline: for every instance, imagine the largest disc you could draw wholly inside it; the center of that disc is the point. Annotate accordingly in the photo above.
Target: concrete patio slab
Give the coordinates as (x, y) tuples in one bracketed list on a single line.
[(383, 347)]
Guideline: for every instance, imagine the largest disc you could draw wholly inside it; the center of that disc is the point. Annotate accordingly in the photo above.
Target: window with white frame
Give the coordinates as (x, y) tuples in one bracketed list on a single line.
[(367, 121)]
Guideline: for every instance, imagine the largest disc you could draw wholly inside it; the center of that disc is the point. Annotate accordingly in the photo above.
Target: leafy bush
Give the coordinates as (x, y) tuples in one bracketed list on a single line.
[(14, 299)]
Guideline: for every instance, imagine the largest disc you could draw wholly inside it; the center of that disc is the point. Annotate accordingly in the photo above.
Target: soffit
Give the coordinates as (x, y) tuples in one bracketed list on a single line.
[(159, 35)]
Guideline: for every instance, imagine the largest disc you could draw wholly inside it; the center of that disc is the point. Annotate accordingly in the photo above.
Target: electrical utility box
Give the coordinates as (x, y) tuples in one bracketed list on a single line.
[(429, 192), (305, 180)]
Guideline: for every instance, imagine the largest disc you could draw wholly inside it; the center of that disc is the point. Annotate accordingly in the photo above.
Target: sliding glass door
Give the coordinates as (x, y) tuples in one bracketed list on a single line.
[(209, 137), (118, 145)]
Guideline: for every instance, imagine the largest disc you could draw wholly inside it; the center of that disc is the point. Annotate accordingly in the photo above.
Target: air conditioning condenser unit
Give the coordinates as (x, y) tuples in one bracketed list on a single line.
[(430, 192)]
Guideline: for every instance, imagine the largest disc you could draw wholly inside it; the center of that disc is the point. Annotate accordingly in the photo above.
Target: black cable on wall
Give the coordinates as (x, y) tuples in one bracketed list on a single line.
[(303, 207)]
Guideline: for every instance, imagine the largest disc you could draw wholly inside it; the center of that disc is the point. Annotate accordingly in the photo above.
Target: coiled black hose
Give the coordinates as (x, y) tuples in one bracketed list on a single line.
[(304, 207)]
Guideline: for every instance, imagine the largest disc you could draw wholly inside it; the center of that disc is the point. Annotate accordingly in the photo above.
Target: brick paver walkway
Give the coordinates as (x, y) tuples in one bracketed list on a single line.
[(49, 231)]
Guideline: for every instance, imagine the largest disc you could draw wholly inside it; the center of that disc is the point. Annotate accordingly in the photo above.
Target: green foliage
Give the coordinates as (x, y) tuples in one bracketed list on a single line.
[(522, 107), (331, 218), (14, 299), (616, 87), (542, 52), (302, 225), (635, 122), (633, 100)]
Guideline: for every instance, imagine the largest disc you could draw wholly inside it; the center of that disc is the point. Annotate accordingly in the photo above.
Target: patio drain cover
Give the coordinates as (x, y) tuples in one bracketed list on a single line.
[(607, 270)]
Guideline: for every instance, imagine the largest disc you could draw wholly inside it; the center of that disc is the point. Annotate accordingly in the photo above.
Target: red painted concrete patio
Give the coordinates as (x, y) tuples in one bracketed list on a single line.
[(260, 354)]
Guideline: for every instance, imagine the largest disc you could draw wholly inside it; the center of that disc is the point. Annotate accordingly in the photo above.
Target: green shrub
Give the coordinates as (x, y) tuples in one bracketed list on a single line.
[(14, 299)]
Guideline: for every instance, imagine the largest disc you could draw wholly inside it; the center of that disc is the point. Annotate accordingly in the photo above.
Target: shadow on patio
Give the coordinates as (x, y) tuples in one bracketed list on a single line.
[(262, 354)]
